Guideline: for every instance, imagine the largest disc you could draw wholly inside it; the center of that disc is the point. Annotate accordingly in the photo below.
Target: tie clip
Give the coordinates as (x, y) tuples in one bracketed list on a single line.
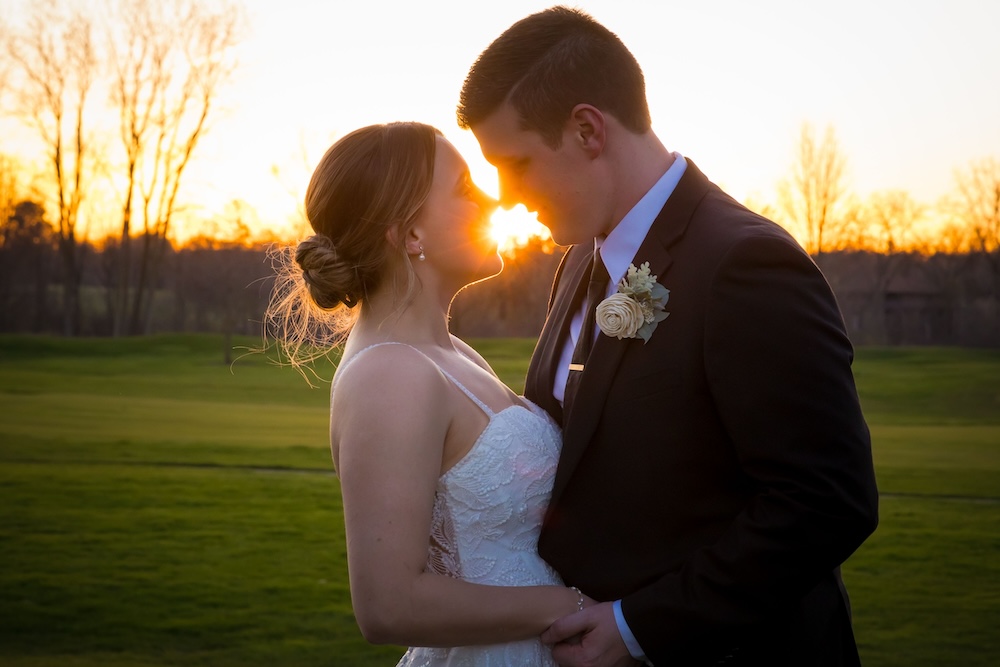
[(576, 367)]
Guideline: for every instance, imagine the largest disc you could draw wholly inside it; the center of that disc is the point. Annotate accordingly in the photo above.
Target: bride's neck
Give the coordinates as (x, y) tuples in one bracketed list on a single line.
[(388, 316)]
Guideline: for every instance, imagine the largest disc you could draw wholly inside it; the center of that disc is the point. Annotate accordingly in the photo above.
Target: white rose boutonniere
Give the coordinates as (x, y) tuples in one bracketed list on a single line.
[(636, 308)]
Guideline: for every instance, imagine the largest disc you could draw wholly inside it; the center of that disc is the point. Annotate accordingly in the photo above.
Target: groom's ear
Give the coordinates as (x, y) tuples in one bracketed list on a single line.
[(589, 129)]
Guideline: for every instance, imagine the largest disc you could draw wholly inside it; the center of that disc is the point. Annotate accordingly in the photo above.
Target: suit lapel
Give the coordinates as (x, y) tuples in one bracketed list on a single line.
[(607, 353), (566, 293)]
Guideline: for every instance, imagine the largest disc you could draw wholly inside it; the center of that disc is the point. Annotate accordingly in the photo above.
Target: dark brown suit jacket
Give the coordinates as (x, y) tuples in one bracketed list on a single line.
[(716, 477)]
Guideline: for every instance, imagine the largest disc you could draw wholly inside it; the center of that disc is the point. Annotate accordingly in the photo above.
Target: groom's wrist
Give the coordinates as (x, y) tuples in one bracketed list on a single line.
[(626, 632)]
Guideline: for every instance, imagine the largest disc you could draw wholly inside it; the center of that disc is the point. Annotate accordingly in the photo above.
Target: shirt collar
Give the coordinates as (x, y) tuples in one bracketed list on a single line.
[(619, 248)]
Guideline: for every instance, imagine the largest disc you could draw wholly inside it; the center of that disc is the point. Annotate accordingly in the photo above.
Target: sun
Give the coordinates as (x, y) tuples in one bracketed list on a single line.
[(515, 227)]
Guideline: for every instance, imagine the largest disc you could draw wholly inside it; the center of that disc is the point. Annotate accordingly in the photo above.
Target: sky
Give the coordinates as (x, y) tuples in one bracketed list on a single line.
[(911, 88)]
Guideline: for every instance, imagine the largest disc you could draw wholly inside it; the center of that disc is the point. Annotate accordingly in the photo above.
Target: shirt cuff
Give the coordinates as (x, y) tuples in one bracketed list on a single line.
[(630, 642)]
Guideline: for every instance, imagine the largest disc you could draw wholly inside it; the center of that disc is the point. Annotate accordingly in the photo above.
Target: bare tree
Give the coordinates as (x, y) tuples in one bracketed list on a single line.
[(978, 210), (58, 63), (979, 203), (815, 191), (10, 188), (892, 217), (170, 61), (140, 77), (889, 220)]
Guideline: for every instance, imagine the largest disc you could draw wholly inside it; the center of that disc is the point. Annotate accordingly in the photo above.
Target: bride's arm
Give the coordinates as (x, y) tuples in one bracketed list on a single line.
[(389, 421)]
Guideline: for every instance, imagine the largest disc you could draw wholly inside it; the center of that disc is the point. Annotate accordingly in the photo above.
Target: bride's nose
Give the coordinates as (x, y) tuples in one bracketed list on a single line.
[(488, 204)]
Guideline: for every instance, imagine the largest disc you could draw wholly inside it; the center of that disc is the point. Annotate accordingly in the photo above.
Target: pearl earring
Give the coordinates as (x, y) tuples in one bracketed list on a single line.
[(421, 256)]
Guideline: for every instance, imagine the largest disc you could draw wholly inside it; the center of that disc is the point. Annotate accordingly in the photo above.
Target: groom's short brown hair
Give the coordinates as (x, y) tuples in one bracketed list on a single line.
[(549, 62)]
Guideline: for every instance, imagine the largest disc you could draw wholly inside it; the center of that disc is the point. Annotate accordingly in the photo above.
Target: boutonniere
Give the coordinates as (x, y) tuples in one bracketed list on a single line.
[(636, 308)]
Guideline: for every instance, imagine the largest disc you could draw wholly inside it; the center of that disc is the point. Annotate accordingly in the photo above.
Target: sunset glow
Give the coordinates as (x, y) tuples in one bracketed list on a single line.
[(515, 227)]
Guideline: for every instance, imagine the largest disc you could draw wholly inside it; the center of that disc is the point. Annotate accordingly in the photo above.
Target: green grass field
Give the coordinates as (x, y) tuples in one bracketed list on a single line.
[(158, 507)]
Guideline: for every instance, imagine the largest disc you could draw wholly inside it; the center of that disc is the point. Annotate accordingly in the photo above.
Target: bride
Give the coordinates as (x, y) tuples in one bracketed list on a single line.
[(445, 472)]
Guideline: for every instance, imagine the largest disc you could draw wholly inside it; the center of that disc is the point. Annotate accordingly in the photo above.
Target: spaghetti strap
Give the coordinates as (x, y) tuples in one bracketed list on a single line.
[(475, 399)]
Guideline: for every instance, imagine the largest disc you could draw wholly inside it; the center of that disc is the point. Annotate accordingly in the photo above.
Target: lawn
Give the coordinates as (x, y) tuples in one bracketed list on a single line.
[(160, 507)]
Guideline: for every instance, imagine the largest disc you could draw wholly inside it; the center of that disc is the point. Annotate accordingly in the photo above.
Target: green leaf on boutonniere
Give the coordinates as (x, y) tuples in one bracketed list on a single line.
[(636, 308), (659, 292)]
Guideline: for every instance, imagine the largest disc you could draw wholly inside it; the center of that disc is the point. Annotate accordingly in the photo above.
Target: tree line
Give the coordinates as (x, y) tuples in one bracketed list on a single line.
[(223, 285), (159, 66)]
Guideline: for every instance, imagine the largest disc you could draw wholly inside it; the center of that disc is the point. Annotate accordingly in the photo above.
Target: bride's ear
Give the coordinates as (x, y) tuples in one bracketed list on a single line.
[(410, 241)]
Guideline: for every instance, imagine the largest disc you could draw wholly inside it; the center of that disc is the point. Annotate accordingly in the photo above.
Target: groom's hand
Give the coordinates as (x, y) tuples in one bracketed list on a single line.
[(588, 638)]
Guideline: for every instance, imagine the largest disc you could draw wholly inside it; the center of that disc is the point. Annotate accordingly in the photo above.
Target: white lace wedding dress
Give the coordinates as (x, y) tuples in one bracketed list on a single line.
[(488, 510)]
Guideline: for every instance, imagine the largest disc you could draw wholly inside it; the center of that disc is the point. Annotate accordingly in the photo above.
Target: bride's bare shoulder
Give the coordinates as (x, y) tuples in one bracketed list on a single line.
[(470, 352), (386, 408), (385, 384), (384, 370)]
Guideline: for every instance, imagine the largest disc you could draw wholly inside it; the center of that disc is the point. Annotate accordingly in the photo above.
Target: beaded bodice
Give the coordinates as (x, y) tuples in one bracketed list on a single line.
[(489, 507)]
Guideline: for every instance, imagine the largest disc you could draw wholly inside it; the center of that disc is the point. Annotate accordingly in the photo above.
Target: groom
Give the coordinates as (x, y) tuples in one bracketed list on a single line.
[(716, 468)]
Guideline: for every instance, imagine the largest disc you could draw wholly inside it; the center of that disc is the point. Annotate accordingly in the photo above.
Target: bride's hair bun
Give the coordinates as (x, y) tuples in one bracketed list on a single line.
[(331, 280), (362, 200)]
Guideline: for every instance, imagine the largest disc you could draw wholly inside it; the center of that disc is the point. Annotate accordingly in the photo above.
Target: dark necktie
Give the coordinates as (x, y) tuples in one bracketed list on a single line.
[(596, 290)]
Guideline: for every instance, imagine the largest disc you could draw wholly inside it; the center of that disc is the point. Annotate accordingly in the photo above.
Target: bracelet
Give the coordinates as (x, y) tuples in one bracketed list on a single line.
[(579, 600)]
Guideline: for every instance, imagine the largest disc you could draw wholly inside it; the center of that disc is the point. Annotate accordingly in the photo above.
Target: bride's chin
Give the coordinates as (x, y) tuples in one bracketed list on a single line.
[(492, 267), (496, 260), (486, 271)]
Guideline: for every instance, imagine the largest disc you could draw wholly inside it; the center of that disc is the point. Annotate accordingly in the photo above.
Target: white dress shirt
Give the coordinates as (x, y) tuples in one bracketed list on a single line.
[(618, 250)]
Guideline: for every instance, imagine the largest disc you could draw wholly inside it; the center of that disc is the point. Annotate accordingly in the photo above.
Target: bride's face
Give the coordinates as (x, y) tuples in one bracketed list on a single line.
[(454, 222)]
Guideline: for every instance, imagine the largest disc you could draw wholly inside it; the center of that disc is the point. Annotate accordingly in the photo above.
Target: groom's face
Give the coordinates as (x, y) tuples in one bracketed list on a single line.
[(558, 184)]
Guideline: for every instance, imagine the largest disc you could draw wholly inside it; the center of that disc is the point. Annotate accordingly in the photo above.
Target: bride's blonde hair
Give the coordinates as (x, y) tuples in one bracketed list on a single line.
[(361, 201)]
